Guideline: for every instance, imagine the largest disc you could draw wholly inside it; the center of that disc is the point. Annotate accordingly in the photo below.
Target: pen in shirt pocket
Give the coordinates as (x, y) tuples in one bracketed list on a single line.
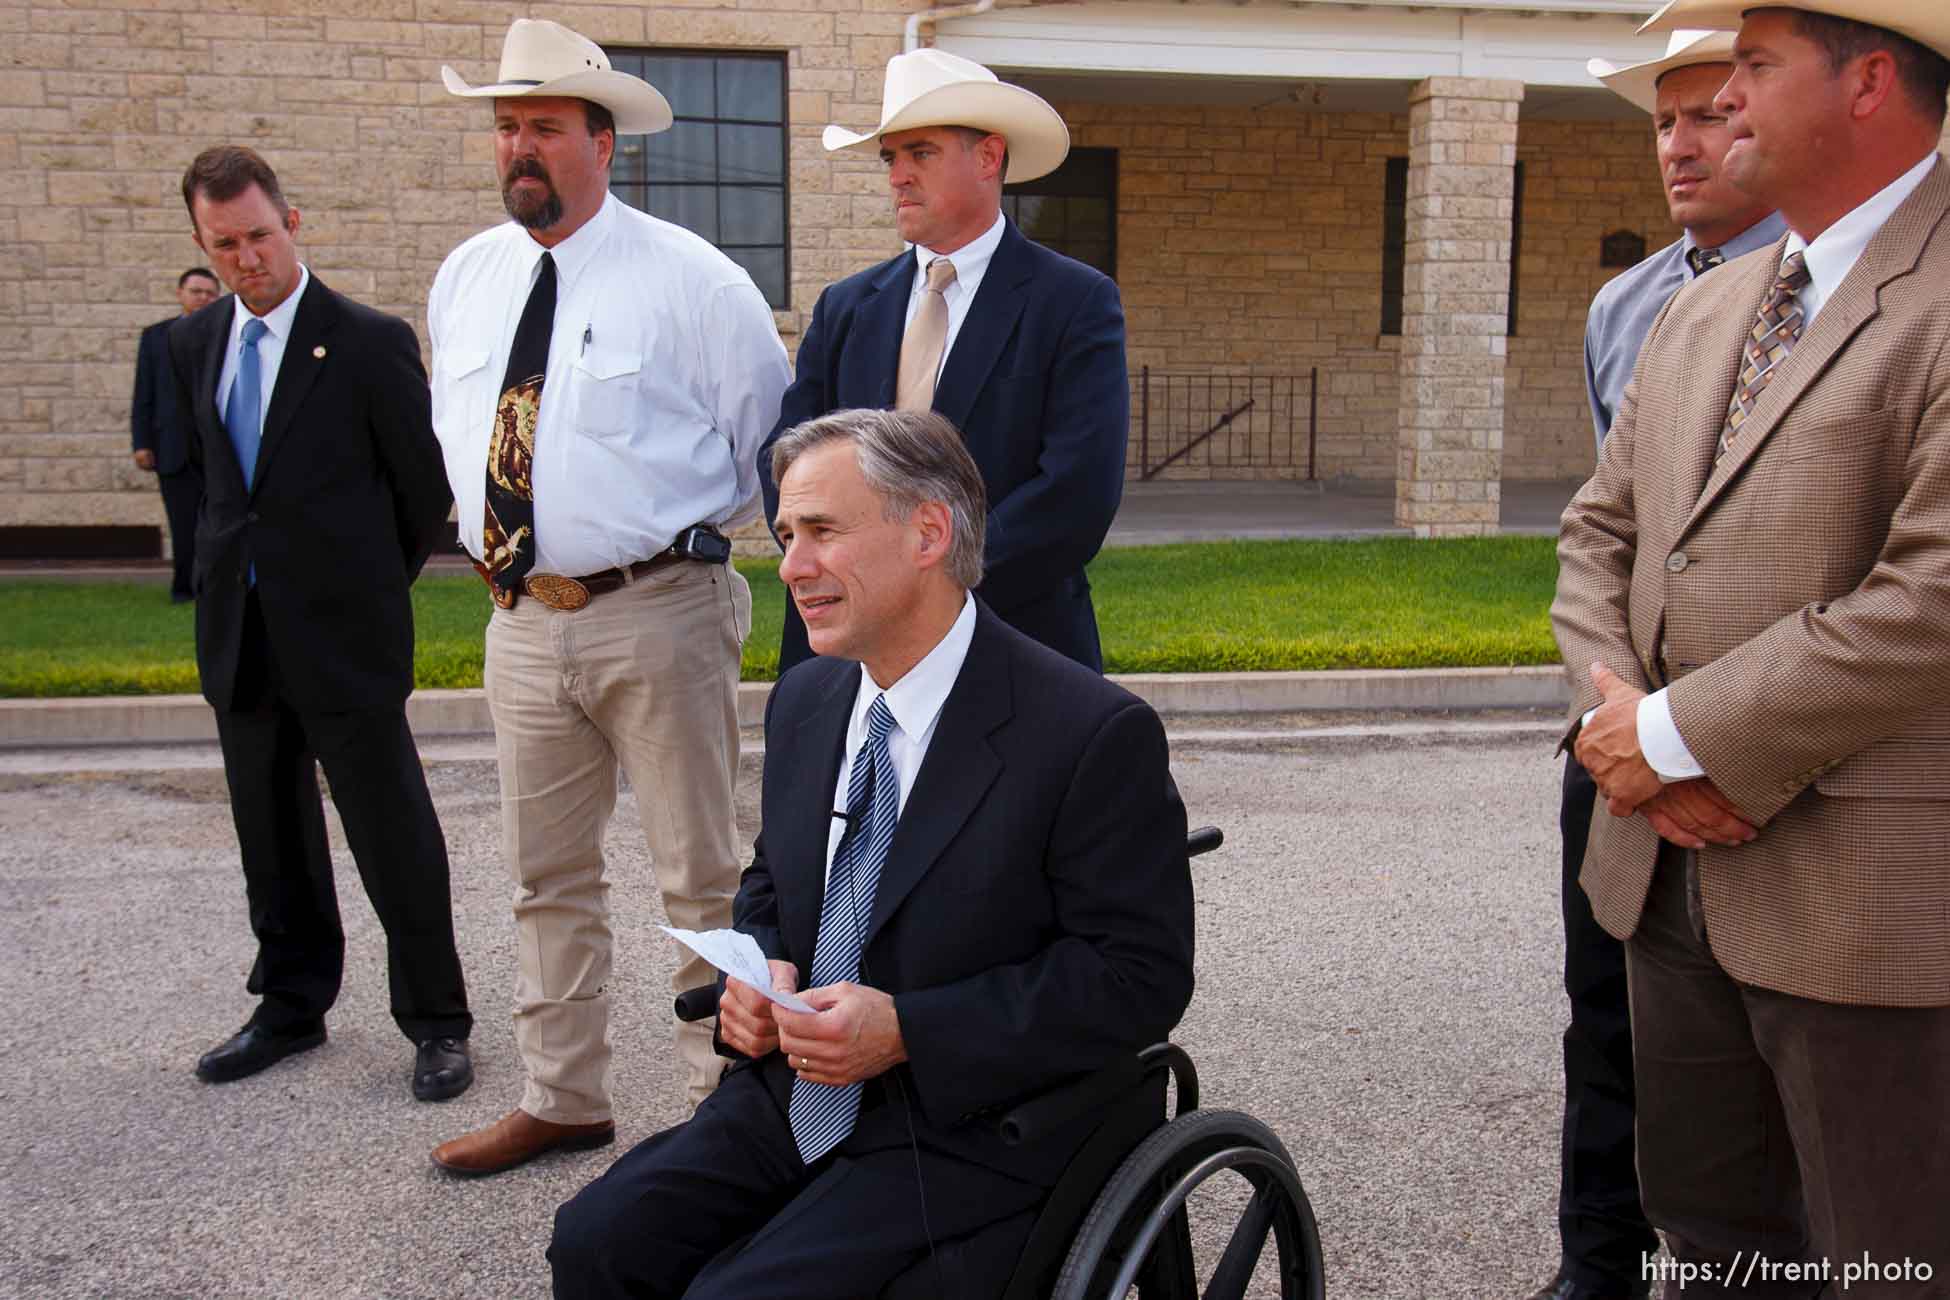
[(588, 335)]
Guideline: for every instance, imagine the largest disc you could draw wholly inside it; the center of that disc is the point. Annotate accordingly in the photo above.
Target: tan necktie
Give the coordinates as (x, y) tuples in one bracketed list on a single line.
[(1777, 328), (924, 342)]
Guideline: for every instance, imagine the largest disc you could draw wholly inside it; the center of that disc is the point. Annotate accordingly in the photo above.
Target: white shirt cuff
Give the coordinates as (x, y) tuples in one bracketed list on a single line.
[(1659, 739)]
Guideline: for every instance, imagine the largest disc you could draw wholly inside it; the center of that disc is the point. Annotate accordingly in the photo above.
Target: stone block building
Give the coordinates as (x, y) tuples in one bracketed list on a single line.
[(1358, 238)]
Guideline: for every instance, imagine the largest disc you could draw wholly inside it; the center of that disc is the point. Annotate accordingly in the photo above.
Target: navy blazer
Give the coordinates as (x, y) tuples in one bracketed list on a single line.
[(1033, 920), (349, 498), (1036, 382), (154, 422)]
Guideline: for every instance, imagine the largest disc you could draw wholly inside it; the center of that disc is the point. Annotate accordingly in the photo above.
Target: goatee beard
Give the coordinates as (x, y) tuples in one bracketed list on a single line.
[(534, 214)]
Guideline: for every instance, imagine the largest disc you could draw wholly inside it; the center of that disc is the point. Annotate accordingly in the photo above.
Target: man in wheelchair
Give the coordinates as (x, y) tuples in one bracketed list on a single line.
[(973, 859)]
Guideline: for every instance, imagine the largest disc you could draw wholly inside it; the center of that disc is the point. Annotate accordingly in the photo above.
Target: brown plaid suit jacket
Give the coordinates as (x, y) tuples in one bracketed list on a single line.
[(1796, 598)]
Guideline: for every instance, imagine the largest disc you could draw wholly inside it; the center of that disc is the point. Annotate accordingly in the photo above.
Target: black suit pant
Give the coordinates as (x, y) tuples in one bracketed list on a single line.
[(181, 493), (1600, 1225), (661, 1223), (271, 753)]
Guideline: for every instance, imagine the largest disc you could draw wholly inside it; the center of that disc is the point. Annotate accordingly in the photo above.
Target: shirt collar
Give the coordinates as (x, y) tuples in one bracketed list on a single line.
[(916, 699), (579, 249), (971, 260), (1834, 252), (277, 321), (1759, 235)]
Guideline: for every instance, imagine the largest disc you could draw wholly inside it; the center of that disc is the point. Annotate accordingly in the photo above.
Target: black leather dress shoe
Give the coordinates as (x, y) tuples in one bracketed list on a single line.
[(251, 1049), (441, 1069), (1564, 1288)]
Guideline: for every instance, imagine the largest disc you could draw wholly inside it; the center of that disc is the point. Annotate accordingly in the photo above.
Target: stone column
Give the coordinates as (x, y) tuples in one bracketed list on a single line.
[(1462, 157)]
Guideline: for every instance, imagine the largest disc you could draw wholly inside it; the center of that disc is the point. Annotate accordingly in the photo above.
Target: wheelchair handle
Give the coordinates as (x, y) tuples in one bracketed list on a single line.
[(1042, 1115), (1203, 840), (696, 1004)]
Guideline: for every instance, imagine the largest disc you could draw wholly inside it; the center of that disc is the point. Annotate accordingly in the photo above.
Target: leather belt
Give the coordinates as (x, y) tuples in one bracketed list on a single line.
[(570, 594)]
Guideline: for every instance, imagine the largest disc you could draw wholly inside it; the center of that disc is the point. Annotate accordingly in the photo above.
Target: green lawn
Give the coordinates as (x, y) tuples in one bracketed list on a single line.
[(1224, 606)]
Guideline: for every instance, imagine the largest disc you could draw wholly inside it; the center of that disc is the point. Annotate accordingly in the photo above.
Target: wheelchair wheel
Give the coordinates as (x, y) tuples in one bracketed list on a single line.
[(1138, 1233)]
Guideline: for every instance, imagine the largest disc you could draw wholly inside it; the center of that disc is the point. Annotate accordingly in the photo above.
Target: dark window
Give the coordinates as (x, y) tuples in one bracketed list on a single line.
[(1073, 209), (1394, 244), (721, 169), (1516, 245)]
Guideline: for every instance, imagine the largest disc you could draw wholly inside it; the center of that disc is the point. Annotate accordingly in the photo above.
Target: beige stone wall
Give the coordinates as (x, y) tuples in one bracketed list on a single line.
[(103, 103), (1251, 241), (1246, 240), (1582, 180)]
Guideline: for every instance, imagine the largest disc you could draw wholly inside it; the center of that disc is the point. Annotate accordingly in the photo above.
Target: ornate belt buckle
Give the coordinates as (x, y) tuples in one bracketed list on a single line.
[(556, 591)]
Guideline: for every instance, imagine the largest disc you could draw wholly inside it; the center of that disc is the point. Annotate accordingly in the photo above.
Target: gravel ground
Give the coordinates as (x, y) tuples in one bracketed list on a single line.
[(1378, 982)]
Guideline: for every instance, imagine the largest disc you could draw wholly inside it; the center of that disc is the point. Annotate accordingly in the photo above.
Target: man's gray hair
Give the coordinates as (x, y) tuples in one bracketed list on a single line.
[(907, 457)]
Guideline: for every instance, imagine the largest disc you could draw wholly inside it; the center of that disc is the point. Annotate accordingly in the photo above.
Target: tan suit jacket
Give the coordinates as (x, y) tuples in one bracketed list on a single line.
[(1796, 598)]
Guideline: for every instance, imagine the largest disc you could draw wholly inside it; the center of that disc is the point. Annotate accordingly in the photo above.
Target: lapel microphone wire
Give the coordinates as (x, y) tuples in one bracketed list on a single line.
[(852, 823)]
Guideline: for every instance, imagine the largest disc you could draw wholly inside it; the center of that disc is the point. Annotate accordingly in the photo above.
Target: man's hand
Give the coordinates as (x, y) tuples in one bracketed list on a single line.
[(855, 1036), (1608, 746), (145, 459), (1693, 814), (745, 1022)]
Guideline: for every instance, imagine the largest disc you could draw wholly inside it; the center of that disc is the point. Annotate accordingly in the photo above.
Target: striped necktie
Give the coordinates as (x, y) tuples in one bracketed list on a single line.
[(821, 1115), (1777, 328)]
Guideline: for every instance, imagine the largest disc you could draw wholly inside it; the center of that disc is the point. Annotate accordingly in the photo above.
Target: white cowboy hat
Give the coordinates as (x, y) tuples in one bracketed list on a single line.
[(1927, 22), (547, 59), (1639, 82), (930, 87)]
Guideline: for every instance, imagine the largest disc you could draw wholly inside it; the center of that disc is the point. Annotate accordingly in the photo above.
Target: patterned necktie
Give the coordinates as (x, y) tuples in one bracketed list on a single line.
[(508, 524), (1777, 328), (243, 411), (926, 339), (1703, 260), (821, 1115)]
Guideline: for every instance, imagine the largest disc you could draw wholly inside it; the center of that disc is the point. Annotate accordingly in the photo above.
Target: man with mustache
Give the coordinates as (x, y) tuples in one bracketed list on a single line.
[(601, 382), (1754, 605), (1601, 1229)]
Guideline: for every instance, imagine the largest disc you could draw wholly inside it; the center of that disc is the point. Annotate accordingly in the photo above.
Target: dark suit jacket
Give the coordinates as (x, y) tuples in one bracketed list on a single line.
[(1033, 919), (1035, 381), (350, 498), (154, 422)]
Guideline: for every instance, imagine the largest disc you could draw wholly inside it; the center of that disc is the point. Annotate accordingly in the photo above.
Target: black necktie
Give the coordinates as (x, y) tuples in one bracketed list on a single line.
[(509, 524), (1703, 260)]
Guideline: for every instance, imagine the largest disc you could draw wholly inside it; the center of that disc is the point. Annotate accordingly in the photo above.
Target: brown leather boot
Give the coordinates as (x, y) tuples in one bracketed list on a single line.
[(515, 1139)]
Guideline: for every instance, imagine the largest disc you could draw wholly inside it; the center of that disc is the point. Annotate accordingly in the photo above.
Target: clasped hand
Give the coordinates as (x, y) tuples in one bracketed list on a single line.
[(854, 1035), (1691, 813)]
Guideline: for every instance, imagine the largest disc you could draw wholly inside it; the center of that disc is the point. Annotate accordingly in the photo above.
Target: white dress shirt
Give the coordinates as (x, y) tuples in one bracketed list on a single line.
[(1830, 257), (971, 262), (915, 701), (664, 374), (270, 349)]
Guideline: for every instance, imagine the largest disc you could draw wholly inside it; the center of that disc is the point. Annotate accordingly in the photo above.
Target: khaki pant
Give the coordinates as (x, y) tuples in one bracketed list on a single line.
[(647, 677)]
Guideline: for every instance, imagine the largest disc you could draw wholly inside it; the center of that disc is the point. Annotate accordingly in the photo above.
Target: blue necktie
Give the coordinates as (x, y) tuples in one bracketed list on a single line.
[(821, 1114), (243, 413)]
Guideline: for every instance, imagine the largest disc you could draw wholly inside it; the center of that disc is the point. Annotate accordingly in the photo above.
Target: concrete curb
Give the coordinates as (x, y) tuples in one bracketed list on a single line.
[(165, 719)]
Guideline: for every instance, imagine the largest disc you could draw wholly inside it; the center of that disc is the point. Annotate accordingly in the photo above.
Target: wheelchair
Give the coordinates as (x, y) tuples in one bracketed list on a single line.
[(1117, 1218)]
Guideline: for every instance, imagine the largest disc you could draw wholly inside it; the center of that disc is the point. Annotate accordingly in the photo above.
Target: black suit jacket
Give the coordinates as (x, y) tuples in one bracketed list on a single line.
[(349, 499), (155, 424), (1033, 919), (1036, 382)]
